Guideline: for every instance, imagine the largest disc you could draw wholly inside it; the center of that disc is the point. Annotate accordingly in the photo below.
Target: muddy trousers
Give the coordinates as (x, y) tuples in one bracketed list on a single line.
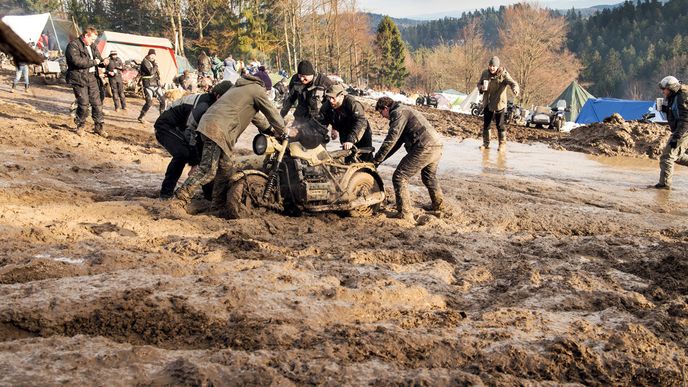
[(150, 93), (424, 160), (498, 118), (182, 154), (669, 157), (215, 164), (117, 88), (88, 93)]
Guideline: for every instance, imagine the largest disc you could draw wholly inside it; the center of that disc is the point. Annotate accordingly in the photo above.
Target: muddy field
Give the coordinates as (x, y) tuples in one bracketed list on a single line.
[(529, 280)]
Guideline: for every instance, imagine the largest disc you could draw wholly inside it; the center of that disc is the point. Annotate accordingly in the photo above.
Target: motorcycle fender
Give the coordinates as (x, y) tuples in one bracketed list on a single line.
[(241, 174)]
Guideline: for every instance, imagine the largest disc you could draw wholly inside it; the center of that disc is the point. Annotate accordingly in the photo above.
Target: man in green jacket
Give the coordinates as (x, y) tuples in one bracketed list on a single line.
[(492, 85), (676, 109), (220, 128)]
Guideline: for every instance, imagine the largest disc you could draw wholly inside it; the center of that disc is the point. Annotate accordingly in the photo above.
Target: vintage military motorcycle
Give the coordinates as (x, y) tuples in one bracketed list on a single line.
[(295, 179)]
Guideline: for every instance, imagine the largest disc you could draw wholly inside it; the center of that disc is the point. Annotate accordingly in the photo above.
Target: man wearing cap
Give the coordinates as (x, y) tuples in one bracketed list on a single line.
[(675, 107), (114, 73), (83, 59), (423, 146), (150, 77), (492, 85), (220, 128), (347, 117), (175, 130), (307, 89)]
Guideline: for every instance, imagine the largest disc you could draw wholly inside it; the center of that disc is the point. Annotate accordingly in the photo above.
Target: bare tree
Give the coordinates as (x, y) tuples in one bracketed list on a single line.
[(201, 13)]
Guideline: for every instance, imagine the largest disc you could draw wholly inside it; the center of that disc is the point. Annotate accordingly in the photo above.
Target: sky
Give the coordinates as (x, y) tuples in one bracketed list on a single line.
[(429, 8)]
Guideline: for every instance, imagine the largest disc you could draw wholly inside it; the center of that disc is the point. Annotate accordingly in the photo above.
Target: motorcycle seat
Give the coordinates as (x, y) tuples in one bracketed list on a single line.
[(366, 150)]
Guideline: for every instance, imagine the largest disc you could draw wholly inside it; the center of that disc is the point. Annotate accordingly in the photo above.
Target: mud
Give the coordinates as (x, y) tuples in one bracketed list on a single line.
[(549, 277)]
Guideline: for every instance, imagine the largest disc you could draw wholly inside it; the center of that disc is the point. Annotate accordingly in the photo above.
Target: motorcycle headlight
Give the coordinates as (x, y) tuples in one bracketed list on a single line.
[(260, 144)]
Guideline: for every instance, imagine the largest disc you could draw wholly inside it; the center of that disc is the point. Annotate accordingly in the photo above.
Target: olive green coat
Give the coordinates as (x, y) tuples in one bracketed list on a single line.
[(494, 99), (230, 115)]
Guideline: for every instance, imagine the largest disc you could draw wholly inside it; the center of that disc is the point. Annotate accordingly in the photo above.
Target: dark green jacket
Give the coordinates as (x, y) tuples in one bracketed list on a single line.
[(409, 128), (676, 110), (242, 105)]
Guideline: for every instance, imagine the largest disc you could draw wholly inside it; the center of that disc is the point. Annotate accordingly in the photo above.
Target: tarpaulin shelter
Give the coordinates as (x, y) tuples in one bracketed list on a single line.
[(30, 28), (12, 44), (135, 47), (465, 105), (597, 109), (576, 97)]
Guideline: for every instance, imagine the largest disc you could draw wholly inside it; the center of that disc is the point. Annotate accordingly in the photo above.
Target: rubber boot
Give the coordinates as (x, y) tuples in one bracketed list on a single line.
[(502, 146), (26, 87), (79, 130), (14, 85)]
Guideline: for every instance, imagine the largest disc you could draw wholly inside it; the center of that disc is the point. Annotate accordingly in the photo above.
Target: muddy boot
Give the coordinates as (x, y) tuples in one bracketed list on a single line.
[(14, 86), (79, 130), (502, 146), (661, 186), (141, 120), (485, 146), (98, 129), (403, 215), (26, 88)]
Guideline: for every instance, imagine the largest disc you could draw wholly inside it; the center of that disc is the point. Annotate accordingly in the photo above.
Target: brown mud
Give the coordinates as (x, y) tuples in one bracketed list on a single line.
[(529, 280)]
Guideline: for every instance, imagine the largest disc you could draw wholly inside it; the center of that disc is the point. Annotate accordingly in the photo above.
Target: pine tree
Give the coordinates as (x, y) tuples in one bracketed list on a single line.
[(391, 70)]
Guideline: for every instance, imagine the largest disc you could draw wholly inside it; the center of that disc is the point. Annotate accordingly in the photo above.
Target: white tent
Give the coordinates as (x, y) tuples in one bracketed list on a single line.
[(135, 47), (30, 28), (465, 106)]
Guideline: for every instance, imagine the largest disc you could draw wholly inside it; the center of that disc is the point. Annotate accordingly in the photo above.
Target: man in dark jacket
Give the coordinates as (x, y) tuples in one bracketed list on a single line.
[(83, 59), (348, 120), (220, 128), (175, 130), (492, 85), (150, 78), (676, 109), (423, 147), (114, 73), (307, 89)]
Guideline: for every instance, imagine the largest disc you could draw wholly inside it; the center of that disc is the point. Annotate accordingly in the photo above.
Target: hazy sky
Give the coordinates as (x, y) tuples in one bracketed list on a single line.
[(406, 8)]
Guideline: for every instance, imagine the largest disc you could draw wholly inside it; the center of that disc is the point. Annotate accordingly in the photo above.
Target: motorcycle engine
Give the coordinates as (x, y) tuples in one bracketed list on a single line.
[(308, 184)]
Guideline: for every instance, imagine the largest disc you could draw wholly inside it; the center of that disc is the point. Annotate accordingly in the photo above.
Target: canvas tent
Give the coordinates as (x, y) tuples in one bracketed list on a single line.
[(183, 64), (465, 106), (597, 109), (576, 97), (135, 47), (30, 28)]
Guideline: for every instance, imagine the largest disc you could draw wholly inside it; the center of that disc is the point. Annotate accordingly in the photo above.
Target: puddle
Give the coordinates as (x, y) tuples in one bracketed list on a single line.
[(73, 261)]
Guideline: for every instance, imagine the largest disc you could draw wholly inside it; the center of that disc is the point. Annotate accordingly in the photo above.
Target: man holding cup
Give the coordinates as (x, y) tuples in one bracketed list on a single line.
[(492, 85), (675, 106)]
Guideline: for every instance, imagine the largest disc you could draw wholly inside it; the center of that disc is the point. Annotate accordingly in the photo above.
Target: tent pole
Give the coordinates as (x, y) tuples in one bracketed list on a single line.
[(59, 48)]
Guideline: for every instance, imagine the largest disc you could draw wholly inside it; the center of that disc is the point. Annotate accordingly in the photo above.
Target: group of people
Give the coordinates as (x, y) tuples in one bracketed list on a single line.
[(83, 64), (201, 130)]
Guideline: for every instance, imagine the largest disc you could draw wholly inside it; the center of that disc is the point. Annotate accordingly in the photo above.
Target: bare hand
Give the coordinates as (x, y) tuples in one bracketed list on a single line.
[(347, 145), (334, 134), (292, 132)]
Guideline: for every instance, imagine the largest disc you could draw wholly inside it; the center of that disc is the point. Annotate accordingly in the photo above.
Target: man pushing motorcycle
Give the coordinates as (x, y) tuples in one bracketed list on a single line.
[(247, 102), (424, 149)]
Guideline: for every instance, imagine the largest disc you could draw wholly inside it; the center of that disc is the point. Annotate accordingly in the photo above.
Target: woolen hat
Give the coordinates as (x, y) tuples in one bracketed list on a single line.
[(305, 68), (222, 87), (335, 90), (494, 61), (151, 51), (113, 52)]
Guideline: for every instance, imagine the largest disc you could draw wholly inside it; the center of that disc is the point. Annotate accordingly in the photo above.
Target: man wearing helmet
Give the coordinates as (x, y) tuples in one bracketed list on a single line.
[(675, 107)]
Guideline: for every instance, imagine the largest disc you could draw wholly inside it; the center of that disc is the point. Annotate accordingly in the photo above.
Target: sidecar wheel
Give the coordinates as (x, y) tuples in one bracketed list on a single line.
[(362, 184)]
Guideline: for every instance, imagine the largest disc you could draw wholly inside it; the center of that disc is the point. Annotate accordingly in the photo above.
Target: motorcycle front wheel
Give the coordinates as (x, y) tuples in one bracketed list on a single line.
[(245, 198)]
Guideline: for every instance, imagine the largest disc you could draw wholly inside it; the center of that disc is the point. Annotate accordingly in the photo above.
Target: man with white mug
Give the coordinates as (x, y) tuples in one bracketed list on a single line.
[(492, 85)]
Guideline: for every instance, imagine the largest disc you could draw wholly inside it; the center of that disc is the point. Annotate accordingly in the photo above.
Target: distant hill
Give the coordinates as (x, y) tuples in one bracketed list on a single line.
[(375, 19)]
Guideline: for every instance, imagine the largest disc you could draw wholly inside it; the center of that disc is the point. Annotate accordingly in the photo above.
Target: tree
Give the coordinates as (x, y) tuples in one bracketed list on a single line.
[(533, 49), (474, 54), (390, 69), (202, 12)]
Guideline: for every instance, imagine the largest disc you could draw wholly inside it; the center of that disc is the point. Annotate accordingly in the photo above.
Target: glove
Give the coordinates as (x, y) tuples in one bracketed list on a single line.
[(673, 143)]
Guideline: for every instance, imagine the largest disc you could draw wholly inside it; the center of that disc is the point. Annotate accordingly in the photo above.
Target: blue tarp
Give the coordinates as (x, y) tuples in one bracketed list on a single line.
[(597, 109), (183, 64)]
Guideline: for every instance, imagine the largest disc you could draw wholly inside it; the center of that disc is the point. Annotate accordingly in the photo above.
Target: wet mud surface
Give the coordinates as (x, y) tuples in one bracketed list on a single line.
[(536, 276)]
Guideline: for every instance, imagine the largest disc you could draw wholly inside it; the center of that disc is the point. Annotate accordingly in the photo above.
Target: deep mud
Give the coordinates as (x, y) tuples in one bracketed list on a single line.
[(529, 280)]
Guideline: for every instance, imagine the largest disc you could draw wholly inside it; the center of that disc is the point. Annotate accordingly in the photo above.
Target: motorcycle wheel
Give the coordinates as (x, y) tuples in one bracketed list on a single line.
[(362, 184), (245, 198), (475, 112)]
